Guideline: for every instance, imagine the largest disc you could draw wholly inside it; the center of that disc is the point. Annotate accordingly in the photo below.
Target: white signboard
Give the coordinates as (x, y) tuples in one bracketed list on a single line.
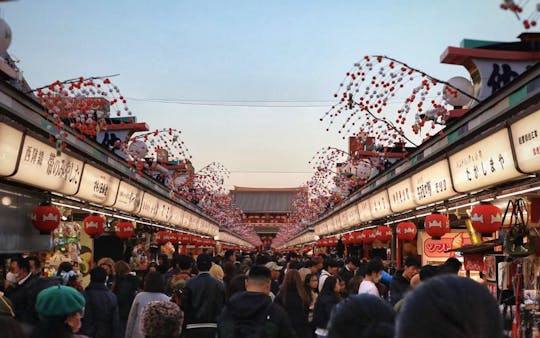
[(485, 163), (97, 186), (527, 142), (379, 205), (149, 206), (402, 196), (353, 216), (186, 221), (364, 211), (342, 220), (433, 184), (41, 166), (128, 198), (164, 212), (10, 143), (177, 215)]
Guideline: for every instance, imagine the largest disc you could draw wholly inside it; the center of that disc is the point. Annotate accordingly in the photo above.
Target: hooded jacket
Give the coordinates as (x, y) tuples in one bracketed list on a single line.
[(255, 307)]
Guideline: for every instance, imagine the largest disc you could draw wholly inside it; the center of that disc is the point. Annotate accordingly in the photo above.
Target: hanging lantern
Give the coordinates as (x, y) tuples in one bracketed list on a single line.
[(355, 237), (332, 241), (406, 231), (362, 236), (383, 233), (93, 225), (174, 237), (436, 225), (371, 236), (163, 237), (46, 218), (124, 229), (346, 239), (486, 218), (184, 238)]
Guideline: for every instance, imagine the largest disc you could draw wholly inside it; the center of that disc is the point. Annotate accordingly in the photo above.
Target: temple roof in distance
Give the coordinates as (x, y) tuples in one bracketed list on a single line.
[(264, 200)]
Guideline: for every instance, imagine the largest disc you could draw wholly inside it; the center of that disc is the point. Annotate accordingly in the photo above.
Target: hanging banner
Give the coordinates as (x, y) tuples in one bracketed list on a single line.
[(164, 212), (527, 143), (484, 163), (41, 166), (97, 186), (149, 206), (10, 143), (433, 184), (364, 211), (177, 214), (402, 196), (379, 205), (128, 198)]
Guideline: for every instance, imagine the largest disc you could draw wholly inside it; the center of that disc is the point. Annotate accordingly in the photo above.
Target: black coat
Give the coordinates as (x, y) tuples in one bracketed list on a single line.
[(101, 312), (297, 312), (398, 287), (323, 308), (125, 290), (203, 299), (23, 297)]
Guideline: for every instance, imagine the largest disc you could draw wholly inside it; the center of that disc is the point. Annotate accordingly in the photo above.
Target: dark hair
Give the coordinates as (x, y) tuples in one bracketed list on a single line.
[(452, 265), (412, 261), (98, 275), (35, 259), (450, 306), (22, 263), (362, 316), (52, 328), (121, 268), (11, 328), (65, 267), (374, 265), (292, 283), (228, 254), (307, 281), (153, 282), (237, 284), (331, 263), (353, 260), (184, 262), (329, 285), (309, 264), (152, 264), (259, 272), (428, 271)]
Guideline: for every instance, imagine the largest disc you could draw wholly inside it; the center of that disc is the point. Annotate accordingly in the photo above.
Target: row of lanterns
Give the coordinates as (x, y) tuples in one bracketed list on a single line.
[(164, 237)]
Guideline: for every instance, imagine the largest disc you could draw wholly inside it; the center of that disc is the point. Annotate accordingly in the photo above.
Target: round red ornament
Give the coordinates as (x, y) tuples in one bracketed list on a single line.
[(406, 231), (383, 233), (371, 235), (124, 230), (46, 218), (486, 218), (93, 225), (163, 237), (436, 225)]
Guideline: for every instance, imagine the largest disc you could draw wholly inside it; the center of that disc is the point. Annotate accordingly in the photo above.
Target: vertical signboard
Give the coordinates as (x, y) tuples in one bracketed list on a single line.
[(128, 198), (364, 211), (149, 206), (177, 214), (10, 143), (97, 186), (433, 184), (402, 196), (164, 212), (379, 205), (527, 143)]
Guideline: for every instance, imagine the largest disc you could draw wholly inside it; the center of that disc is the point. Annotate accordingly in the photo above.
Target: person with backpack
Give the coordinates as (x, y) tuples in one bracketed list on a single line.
[(178, 282), (252, 314)]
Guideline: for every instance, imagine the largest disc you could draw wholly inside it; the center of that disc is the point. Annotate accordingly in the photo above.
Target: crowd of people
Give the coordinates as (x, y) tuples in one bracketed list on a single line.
[(258, 295)]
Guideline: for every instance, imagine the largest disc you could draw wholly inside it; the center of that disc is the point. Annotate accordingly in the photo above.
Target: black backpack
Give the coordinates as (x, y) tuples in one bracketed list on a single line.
[(252, 327)]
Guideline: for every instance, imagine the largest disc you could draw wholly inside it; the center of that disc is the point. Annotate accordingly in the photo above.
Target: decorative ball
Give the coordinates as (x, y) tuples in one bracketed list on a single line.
[(93, 225), (454, 97), (137, 149), (383, 233), (370, 235), (46, 218), (5, 37), (124, 230), (406, 231), (436, 225), (486, 218)]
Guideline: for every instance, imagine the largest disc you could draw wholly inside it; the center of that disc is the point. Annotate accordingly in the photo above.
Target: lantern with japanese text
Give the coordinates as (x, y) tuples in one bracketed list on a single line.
[(184, 239), (162, 237), (346, 239), (174, 237), (46, 218), (93, 225), (406, 231), (355, 237), (332, 241), (486, 218), (124, 229), (371, 236), (383, 233), (436, 225)]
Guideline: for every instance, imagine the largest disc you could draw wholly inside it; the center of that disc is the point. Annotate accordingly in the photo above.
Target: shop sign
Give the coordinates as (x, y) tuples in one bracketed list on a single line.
[(527, 142), (364, 211), (353, 218), (343, 220), (473, 262), (380, 205), (40, 165), (164, 211), (402, 196), (435, 250), (186, 221), (97, 186), (10, 143), (149, 206), (433, 184), (485, 163), (176, 216), (128, 198)]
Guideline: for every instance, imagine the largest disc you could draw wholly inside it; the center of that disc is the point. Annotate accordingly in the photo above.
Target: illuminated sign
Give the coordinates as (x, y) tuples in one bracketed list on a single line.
[(128, 198), (149, 206), (402, 196), (177, 215), (40, 165), (380, 205), (433, 184), (484, 163), (10, 143), (164, 212), (364, 211), (353, 217), (527, 142), (97, 186)]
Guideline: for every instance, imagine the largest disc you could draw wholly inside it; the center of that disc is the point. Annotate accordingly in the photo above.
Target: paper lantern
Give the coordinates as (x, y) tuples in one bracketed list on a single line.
[(174, 237), (486, 218), (332, 241), (93, 225), (371, 236), (163, 237), (46, 218), (184, 239), (124, 229), (383, 233), (406, 231), (436, 225), (346, 239)]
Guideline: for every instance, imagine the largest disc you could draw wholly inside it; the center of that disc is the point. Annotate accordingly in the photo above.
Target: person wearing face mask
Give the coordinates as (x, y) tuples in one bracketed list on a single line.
[(374, 270), (23, 293)]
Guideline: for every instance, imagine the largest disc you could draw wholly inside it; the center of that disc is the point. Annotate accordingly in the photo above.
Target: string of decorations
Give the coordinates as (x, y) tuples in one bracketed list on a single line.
[(520, 8)]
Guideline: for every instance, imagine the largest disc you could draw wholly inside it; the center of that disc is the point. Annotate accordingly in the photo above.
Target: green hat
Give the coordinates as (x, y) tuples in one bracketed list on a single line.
[(59, 300)]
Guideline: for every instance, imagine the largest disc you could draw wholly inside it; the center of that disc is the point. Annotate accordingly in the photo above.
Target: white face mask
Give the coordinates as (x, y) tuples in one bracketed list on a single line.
[(11, 277)]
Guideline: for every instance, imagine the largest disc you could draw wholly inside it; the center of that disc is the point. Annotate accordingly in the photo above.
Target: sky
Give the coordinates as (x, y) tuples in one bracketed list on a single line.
[(248, 80)]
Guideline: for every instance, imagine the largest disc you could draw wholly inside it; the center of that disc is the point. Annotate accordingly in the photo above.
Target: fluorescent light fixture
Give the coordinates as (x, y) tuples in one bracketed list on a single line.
[(66, 205), (463, 205), (518, 192)]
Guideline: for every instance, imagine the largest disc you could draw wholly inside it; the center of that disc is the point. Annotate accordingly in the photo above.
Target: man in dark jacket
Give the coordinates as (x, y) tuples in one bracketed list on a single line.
[(203, 301), (348, 270), (101, 319), (401, 282), (252, 313)]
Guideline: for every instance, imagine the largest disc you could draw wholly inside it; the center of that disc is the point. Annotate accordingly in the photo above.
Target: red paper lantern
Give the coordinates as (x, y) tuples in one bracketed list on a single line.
[(174, 237), (185, 239), (406, 231), (46, 218), (486, 218), (124, 230), (436, 225), (93, 225), (362, 236), (371, 236), (332, 241), (346, 239), (355, 237), (163, 237), (383, 233)]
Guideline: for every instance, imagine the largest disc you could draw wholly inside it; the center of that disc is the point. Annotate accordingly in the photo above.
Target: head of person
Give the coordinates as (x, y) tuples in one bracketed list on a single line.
[(11, 328), (451, 265), (374, 270), (216, 271), (412, 266), (230, 256), (258, 279), (311, 282), (362, 316), (20, 267), (428, 271), (122, 268), (62, 307), (330, 286), (332, 266), (107, 264), (318, 263), (449, 306), (154, 282), (275, 269), (352, 263), (163, 259), (292, 284), (237, 284), (185, 262), (161, 319), (204, 262), (35, 265), (98, 275), (152, 267)]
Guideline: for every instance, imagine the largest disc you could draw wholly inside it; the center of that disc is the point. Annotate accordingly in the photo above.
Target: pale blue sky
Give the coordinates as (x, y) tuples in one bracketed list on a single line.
[(242, 50)]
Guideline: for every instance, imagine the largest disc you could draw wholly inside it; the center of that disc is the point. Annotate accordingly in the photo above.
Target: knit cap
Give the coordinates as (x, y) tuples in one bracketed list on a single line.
[(161, 318), (59, 300)]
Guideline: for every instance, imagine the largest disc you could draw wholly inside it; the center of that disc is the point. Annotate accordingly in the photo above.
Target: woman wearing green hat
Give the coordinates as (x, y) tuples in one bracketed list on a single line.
[(60, 309)]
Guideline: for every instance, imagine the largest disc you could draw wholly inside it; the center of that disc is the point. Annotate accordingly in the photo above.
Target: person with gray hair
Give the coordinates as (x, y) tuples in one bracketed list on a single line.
[(161, 319)]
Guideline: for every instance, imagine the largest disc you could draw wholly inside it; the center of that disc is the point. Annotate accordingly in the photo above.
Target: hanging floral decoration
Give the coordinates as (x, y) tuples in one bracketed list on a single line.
[(528, 12)]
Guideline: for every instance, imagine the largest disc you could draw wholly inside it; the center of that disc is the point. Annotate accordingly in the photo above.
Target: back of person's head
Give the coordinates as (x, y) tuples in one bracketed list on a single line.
[(451, 265), (329, 285), (258, 279), (11, 328), (237, 284), (317, 260), (216, 271), (428, 271), (374, 265), (22, 263), (65, 267), (153, 282), (184, 262), (161, 319), (331, 263), (412, 261), (262, 259), (353, 260), (204, 262), (122, 268), (228, 254), (362, 316), (98, 275), (449, 306)]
